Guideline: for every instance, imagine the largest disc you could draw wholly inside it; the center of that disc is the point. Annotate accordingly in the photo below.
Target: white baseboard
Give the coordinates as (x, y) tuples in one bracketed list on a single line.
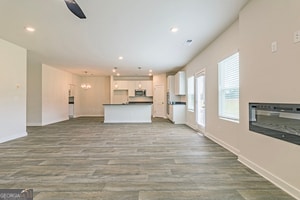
[(12, 137), (191, 126), (88, 116), (222, 143), (33, 124), (54, 121), (295, 192), (164, 117)]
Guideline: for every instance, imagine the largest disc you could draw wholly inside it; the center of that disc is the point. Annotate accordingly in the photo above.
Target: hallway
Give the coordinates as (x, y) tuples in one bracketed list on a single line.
[(85, 159)]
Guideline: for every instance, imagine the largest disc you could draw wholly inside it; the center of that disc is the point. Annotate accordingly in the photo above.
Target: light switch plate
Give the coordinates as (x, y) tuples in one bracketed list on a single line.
[(274, 46), (297, 36)]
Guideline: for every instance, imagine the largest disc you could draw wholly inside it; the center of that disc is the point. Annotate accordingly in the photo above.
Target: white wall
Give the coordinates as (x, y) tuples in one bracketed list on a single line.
[(92, 100), (264, 77), (76, 81), (12, 91), (55, 94), (48, 90), (270, 77), (225, 132), (34, 90)]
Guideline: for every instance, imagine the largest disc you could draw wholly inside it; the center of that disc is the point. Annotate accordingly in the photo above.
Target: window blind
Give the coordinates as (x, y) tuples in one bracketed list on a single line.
[(229, 87)]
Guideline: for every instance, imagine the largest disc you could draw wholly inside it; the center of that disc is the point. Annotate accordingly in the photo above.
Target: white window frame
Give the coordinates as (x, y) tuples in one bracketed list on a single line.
[(229, 88)]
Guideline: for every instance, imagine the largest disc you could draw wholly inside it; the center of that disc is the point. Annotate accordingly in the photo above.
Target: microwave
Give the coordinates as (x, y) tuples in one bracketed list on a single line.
[(140, 93)]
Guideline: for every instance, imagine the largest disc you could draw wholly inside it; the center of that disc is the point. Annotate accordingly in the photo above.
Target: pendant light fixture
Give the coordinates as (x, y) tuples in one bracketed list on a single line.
[(85, 84)]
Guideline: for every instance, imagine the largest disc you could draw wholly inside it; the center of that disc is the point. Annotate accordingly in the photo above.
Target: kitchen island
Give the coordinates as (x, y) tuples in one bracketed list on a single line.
[(128, 113)]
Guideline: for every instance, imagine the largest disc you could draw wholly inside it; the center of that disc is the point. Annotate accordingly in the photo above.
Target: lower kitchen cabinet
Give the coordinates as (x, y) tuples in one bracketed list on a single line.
[(177, 113)]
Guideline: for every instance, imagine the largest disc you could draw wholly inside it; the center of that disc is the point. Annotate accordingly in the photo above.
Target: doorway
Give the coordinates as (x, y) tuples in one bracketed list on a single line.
[(159, 105), (200, 100)]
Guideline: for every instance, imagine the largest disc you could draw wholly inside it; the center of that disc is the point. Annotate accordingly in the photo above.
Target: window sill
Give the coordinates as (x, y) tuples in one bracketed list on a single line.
[(231, 120)]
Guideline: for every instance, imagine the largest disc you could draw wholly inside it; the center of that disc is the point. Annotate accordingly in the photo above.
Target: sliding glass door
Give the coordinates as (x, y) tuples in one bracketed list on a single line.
[(200, 100)]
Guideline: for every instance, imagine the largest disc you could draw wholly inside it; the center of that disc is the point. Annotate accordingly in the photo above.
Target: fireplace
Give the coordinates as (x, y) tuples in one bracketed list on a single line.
[(281, 121)]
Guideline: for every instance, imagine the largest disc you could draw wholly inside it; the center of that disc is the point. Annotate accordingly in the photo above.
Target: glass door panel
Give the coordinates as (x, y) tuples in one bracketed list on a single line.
[(200, 100)]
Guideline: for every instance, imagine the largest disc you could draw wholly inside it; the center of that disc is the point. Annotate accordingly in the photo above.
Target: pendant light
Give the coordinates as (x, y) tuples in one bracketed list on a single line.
[(86, 85)]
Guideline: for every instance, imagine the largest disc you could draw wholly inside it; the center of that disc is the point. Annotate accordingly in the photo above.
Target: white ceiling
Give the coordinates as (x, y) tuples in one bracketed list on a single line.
[(138, 30)]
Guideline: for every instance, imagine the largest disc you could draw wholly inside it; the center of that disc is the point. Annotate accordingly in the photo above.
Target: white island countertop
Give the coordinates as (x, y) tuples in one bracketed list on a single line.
[(128, 113)]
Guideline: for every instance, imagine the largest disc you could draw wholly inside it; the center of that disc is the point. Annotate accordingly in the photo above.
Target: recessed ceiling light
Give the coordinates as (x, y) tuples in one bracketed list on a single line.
[(118, 74), (120, 58), (174, 29), (29, 29), (150, 70), (114, 69)]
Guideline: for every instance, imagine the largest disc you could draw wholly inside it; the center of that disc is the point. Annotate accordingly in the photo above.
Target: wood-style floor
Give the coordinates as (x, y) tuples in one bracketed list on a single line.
[(85, 159)]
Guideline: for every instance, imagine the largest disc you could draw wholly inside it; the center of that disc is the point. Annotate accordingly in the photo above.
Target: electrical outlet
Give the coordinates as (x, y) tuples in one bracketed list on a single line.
[(297, 36)]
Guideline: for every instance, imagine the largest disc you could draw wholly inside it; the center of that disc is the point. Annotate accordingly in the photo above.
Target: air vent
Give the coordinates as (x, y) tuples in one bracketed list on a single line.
[(188, 42)]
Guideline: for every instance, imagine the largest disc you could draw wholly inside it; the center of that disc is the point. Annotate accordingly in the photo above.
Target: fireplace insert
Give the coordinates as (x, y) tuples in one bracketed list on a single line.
[(281, 121)]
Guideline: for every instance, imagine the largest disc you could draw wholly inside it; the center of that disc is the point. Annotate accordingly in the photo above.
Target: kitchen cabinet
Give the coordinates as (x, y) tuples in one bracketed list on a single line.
[(71, 110), (131, 88), (177, 113), (171, 97), (180, 83), (120, 85), (144, 85), (148, 88)]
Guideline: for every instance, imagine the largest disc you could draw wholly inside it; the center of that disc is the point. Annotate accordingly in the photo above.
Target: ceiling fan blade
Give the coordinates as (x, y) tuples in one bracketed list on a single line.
[(75, 9)]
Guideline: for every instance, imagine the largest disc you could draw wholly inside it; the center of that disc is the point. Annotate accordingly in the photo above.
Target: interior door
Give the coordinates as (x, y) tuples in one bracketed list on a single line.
[(159, 101), (200, 100)]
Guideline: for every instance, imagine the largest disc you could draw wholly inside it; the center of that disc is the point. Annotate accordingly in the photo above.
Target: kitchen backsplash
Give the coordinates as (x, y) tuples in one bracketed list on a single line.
[(140, 99)]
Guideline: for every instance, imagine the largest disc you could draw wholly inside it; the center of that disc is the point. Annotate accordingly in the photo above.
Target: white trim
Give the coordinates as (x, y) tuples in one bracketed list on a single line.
[(293, 191), (192, 126), (229, 119), (12, 137), (164, 117), (222, 143), (201, 72), (88, 116), (34, 124), (55, 121)]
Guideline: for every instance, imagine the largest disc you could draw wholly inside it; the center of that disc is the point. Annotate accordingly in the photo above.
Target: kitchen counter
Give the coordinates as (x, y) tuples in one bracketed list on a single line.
[(130, 103), (177, 113), (128, 113)]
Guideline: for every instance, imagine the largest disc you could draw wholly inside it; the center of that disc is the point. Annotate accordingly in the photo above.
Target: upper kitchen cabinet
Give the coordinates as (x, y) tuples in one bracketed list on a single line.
[(170, 83), (140, 85), (148, 88), (131, 88), (180, 83), (120, 85)]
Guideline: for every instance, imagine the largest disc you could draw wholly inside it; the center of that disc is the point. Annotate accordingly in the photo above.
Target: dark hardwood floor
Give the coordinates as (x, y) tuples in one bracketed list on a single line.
[(85, 159)]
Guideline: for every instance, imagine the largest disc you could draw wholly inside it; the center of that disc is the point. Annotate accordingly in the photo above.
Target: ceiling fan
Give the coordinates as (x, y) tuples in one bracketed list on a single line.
[(75, 8)]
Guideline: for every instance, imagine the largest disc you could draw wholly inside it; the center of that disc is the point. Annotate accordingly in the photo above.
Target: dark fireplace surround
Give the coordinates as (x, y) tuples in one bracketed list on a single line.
[(277, 120)]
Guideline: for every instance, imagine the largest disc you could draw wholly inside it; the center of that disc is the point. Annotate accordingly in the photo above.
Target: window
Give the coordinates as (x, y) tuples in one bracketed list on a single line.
[(229, 89), (191, 94)]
